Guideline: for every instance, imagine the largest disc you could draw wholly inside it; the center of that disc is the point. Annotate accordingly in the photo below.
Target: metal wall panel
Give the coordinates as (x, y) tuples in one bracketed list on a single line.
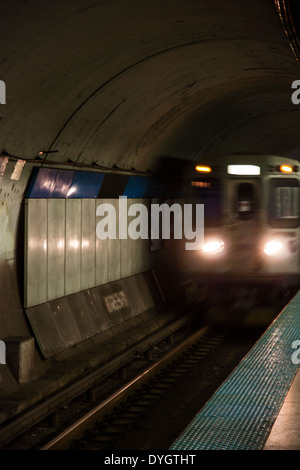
[(126, 254), (88, 244), (36, 252), (45, 329), (50, 183), (101, 261), (43, 183), (114, 248), (101, 253), (56, 248), (64, 254), (82, 314), (138, 294), (73, 246), (98, 313), (65, 322), (63, 183), (115, 302), (86, 185)]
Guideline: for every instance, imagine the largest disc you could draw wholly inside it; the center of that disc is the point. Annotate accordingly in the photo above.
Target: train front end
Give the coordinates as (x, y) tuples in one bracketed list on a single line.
[(251, 227)]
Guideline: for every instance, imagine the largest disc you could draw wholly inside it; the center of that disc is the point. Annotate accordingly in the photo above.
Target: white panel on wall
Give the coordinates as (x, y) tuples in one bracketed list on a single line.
[(56, 248), (114, 248), (73, 246), (101, 262), (127, 250), (88, 244), (63, 254), (101, 253), (35, 288)]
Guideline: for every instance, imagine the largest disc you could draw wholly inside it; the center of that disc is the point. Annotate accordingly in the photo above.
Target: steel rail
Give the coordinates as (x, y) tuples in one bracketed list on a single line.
[(76, 430), (47, 406)]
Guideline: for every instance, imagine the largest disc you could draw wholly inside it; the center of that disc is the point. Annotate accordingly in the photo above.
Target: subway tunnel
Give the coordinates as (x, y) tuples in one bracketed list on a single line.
[(108, 88)]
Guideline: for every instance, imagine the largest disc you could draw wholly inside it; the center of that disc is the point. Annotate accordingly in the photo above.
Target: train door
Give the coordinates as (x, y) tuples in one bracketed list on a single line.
[(244, 197)]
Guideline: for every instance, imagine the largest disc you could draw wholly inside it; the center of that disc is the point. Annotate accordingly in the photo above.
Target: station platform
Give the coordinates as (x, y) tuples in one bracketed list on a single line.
[(258, 406)]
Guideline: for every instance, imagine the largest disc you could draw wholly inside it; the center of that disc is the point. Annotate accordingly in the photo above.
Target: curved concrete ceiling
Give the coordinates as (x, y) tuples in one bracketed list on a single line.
[(121, 83)]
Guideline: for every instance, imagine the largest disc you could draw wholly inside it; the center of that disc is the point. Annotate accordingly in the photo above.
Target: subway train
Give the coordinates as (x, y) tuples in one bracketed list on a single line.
[(251, 247)]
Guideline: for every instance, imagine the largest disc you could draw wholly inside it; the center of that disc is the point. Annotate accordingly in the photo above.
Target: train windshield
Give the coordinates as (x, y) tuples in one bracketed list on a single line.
[(207, 191), (284, 203), (245, 203)]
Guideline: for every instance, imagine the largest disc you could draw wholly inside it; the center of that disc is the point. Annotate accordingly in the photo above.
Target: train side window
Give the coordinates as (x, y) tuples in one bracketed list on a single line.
[(245, 201), (284, 203)]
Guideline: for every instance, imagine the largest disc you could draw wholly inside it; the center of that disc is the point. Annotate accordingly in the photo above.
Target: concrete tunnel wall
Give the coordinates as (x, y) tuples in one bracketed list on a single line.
[(120, 84)]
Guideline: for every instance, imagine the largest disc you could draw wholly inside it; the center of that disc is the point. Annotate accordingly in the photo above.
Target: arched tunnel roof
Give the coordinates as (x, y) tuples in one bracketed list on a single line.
[(121, 83)]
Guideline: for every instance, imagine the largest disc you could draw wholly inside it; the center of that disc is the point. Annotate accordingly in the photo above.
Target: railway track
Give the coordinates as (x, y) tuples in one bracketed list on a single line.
[(99, 428), (54, 411), (119, 411)]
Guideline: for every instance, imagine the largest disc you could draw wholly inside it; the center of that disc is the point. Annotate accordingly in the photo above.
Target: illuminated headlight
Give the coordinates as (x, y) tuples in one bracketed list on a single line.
[(273, 248), (213, 247)]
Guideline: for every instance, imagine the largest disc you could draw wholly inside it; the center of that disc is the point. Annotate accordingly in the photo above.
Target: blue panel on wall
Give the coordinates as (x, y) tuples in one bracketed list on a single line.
[(43, 183), (31, 183), (54, 183), (63, 183), (85, 185)]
